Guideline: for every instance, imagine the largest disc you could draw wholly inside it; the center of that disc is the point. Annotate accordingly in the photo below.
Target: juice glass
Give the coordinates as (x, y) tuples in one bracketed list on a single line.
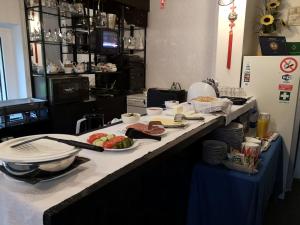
[(262, 125)]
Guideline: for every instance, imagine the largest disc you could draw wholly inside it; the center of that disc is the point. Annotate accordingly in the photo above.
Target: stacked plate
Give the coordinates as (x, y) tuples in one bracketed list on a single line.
[(42, 154), (214, 152), (233, 134)]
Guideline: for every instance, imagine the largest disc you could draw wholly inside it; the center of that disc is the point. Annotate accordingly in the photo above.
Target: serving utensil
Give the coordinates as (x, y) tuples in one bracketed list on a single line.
[(136, 134), (181, 117), (24, 145)]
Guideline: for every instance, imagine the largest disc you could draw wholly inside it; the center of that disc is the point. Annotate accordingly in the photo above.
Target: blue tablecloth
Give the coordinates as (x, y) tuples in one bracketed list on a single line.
[(220, 196)]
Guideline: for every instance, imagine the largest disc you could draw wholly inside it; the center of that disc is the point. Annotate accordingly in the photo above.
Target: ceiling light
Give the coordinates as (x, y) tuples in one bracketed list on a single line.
[(225, 2)]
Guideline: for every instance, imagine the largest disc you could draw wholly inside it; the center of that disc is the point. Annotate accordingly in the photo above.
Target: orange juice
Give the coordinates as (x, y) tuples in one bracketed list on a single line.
[(262, 125)]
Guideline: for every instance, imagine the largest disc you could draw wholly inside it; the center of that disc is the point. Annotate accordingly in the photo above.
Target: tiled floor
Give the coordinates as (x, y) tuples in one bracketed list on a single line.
[(285, 212)]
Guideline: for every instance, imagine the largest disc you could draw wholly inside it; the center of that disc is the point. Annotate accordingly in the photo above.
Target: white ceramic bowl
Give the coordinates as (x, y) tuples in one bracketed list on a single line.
[(130, 117), (154, 111), (171, 104)]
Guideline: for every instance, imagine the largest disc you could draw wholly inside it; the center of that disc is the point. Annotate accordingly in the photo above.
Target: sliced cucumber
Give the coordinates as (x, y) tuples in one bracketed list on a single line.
[(104, 139), (98, 142)]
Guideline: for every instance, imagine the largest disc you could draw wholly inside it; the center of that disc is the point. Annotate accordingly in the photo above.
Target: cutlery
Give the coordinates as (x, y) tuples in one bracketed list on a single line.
[(77, 144)]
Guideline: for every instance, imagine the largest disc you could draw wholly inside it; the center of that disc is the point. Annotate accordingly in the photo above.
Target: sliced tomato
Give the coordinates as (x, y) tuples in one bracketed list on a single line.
[(95, 136), (117, 139), (109, 144)]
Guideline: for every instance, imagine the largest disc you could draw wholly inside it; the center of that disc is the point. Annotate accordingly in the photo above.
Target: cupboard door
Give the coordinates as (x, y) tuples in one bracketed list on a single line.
[(111, 107)]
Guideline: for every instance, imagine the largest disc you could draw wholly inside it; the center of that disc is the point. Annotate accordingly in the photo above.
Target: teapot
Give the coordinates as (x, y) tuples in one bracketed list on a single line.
[(53, 68), (67, 66), (79, 67)]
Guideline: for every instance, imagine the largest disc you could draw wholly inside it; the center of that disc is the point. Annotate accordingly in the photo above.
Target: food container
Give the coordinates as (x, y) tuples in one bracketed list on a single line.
[(27, 169), (253, 140), (171, 104), (154, 111), (213, 105), (130, 117)]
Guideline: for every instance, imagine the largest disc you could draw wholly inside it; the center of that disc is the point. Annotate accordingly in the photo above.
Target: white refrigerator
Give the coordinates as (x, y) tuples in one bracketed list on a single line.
[(274, 82)]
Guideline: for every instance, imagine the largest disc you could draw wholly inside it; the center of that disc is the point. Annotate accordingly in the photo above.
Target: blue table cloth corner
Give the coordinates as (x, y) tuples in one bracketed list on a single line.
[(220, 196)]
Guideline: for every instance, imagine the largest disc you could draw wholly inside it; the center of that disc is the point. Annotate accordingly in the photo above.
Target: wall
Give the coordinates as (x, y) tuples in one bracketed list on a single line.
[(250, 44), (181, 42), (223, 75), (12, 22)]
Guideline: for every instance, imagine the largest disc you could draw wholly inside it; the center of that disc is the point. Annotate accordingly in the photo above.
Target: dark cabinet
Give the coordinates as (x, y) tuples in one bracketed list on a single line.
[(111, 107), (65, 116), (139, 4)]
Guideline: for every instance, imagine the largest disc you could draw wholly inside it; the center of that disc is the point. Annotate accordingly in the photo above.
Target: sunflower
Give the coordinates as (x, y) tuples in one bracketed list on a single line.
[(273, 4), (267, 20)]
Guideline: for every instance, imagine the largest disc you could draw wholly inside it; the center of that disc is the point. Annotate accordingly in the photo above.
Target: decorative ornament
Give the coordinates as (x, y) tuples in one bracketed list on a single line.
[(269, 20), (232, 17), (274, 4), (162, 4), (267, 23), (225, 2)]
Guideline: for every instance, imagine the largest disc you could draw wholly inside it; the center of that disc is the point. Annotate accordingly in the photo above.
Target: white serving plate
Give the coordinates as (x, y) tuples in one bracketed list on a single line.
[(122, 149), (42, 150)]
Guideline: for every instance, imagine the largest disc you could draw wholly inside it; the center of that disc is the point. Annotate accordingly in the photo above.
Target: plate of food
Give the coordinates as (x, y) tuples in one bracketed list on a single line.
[(112, 142), (149, 128)]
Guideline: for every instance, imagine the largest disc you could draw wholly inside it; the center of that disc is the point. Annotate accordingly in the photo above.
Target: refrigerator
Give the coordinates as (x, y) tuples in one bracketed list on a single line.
[(274, 82)]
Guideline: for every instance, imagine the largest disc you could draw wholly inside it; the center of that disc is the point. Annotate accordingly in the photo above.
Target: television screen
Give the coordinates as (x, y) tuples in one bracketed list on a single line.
[(110, 39)]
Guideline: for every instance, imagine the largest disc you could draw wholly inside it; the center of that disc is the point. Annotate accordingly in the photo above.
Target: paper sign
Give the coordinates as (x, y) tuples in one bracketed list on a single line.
[(285, 87), (284, 96), (288, 65), (286, 78)]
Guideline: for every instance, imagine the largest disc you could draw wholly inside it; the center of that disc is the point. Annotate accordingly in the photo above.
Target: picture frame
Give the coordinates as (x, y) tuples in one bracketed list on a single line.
[(273, 45)]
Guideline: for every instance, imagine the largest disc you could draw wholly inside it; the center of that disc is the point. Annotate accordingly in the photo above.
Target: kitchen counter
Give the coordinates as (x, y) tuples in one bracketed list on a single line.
[(111, 182)]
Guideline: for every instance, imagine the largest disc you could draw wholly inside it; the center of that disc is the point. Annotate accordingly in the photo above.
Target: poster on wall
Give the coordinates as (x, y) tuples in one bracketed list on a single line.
[(294, 16)]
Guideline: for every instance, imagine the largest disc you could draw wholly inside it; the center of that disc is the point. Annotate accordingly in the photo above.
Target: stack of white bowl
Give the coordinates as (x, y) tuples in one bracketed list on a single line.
[(214, 152)]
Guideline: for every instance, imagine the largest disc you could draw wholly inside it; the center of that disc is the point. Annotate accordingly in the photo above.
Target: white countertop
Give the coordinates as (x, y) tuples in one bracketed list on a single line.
[(25, 204)]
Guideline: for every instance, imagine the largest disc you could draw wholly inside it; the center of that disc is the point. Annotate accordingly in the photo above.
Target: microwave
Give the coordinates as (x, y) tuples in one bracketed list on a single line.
[(68, 89)]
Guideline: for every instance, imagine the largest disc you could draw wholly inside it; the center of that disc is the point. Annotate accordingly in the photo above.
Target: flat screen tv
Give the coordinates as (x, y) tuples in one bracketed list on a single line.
[(105, 41)]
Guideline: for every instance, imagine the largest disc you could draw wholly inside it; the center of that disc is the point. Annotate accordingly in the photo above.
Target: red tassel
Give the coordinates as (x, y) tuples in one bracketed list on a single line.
[(162, 4), (229, 53)]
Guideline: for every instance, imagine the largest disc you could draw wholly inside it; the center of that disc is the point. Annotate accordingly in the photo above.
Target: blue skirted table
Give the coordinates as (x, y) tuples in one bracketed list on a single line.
[(220, 196)]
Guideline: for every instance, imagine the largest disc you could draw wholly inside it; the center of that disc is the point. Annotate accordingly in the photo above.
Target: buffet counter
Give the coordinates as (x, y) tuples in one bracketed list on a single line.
[(54, 202)]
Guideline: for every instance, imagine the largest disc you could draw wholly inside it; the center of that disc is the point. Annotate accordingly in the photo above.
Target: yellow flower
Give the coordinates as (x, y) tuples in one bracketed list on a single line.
[(273, 4), (266, 20)]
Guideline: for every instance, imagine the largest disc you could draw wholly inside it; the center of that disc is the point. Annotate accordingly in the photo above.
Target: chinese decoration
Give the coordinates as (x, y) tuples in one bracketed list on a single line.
[(269, 19), (162, 4), (232, 18)]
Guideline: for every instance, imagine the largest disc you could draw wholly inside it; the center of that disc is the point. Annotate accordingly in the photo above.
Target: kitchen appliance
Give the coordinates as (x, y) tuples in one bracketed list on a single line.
[(105, 41), (68, 89), (157, 97), (274, 82), (137, 103)]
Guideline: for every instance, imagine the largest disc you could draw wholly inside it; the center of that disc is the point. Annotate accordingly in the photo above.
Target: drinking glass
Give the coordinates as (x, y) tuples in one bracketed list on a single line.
[(262, 125)]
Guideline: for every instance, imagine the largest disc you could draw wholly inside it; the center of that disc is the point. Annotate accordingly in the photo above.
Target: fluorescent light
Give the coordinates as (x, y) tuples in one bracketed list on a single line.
[(225, 2)]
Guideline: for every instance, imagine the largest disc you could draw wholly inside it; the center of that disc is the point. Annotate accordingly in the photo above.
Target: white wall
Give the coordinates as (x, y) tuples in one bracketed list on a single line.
[(293, 32), (223, 75), (12, 22), (250, 44), (181, 42)]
